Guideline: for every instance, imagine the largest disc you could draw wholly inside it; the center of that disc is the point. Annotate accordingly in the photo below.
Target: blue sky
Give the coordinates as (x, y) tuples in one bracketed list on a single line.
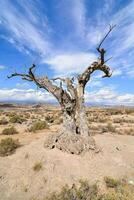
[(60, 37)]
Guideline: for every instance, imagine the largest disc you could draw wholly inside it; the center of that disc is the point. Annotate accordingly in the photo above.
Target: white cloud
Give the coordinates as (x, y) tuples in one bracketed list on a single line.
[(2, 67), (108, 96), (29, 30), (24, 30), (117, 72), (71, 63), (78, 13), (25, 95)]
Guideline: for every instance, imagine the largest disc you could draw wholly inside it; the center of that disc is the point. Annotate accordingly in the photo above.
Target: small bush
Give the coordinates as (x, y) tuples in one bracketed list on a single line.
[(87, 192), (37, 166), (38, 125), (3, 121), (8, 146), (83, 192), (109, 128), (9, 131), (111, 182), (16, 119), (49, 119)]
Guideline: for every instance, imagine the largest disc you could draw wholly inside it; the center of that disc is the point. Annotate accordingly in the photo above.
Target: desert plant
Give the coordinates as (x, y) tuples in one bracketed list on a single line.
[(111, 182), (8, 146), (38, 125), (3, 121), (87, 192), (37, 166), (83, 192), (16, 119), (9, 131), (109, 128)]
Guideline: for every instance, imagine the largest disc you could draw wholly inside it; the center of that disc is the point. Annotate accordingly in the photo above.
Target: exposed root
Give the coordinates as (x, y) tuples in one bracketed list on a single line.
[(71, 143)]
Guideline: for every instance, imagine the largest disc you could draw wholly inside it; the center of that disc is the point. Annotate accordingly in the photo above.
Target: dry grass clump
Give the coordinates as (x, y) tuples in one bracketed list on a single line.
[(3, 121), (37, 166), (123, 120), (109, 128), (9, 131), (8, 146), (118, 190), (129, 131), (111, 182), (115, 111), (17, 119), (126, 131), (129, 111), (38, 125), (84, 191)]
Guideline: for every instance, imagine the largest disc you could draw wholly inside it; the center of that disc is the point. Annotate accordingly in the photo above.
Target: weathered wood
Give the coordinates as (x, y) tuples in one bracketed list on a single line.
[(71, 98)]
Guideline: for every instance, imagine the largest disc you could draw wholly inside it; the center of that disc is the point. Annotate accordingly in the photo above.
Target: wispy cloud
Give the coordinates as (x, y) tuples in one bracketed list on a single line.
[(109, 96), (105, 96), (2, 67), (70, 63), (30, 31), (24, 29), (28, 95), (71, 48)]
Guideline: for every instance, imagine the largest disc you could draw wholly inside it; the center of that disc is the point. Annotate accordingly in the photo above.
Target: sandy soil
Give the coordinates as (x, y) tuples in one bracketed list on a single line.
[(18, 180)]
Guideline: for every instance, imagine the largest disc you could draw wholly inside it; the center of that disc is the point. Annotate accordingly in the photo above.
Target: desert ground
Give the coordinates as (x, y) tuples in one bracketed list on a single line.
[(32, 172)]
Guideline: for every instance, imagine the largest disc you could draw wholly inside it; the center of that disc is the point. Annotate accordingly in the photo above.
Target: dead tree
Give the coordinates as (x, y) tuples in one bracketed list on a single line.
[(71, 99)]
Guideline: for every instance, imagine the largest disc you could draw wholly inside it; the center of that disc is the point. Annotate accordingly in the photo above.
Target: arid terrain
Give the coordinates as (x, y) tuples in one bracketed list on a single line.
[(31, 172)]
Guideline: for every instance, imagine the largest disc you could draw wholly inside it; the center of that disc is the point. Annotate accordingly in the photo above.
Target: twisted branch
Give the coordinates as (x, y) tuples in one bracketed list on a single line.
[(98, 65)]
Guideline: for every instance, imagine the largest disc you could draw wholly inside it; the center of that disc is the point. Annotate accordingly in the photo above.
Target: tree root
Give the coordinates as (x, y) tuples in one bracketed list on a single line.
[(71, 143)]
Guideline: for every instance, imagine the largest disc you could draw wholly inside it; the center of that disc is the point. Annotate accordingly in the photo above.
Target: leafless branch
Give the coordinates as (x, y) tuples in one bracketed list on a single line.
[(102, 51), (44, 82), (111, 27)]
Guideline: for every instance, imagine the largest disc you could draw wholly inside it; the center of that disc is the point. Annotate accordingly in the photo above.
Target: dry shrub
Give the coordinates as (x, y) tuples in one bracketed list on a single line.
[(111, 182), (82, 192), (109, 128), (86, 192), (8, 146), (3, 121), (129, 111), (17, 119), (38, 125), (9, 131), (127, 131), (115, 111), (37, 166)]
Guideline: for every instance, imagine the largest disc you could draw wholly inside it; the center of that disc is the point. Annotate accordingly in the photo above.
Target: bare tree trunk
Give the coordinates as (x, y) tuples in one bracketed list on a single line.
[(81, 117), (74, 115), (69, 122)]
